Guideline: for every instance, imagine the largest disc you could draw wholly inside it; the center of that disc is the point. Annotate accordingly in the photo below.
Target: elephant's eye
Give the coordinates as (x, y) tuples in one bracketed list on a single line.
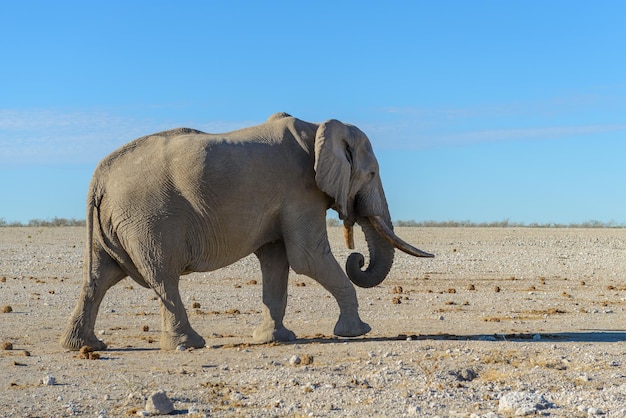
[(372, 174), (349, 155)]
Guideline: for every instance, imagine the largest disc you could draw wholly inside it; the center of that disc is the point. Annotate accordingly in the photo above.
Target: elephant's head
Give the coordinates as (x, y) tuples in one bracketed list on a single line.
[(347, 171)]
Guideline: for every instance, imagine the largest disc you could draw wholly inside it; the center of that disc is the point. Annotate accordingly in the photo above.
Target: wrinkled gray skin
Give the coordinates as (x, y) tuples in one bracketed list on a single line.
[(184, 201)]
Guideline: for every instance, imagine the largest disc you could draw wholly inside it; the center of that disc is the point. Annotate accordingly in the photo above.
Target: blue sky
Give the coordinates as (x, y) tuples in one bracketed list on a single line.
[(477, 110)]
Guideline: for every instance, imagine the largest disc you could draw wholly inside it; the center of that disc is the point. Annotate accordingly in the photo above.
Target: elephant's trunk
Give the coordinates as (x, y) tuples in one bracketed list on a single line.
[(381, 242), (381, 258)]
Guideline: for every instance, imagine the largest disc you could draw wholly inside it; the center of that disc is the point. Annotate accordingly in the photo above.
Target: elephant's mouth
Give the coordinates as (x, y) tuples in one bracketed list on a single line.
[(384, 231)]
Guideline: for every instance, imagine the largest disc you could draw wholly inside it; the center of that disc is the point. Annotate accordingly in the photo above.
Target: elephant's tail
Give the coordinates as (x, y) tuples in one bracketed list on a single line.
[(89, 242)]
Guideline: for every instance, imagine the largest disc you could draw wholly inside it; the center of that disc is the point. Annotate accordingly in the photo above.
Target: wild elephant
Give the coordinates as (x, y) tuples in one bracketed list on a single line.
[(186, 201)]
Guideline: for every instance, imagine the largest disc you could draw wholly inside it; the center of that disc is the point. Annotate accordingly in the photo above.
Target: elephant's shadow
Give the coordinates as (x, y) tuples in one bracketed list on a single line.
[(584, 336), (597, 336)]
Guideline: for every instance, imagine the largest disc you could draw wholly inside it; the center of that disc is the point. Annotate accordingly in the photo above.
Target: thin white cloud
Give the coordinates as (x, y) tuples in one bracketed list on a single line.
[(554, 132), (399, 136), (57, 136), (601, 99), (587, 113)]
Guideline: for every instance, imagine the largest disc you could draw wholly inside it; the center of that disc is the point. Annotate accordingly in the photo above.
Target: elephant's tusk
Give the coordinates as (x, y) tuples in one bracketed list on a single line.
[(381, 227), (348, 235)]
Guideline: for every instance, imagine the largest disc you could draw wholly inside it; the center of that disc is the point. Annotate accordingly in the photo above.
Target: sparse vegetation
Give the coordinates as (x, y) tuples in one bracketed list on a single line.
[(45, 222), (333, 222)]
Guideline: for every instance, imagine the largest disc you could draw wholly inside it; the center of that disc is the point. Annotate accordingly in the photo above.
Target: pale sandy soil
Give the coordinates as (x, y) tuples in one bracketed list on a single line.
[(499, 314)]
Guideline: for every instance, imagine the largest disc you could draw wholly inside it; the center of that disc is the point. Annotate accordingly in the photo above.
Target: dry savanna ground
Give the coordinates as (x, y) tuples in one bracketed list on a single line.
[(503, 322)]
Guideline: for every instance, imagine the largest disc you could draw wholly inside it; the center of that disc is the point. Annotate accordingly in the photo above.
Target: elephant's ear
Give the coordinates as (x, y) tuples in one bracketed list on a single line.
[(332, 163)]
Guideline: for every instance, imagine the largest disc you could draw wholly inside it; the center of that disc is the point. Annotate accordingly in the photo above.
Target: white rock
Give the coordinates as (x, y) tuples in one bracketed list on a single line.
[(522, 403), (48, 380), (594, 411), (295, 360), (159, 404), (414, 410), (236, 396)]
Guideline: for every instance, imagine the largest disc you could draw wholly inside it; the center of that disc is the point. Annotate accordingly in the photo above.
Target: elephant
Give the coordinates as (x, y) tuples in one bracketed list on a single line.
[(184, 201)]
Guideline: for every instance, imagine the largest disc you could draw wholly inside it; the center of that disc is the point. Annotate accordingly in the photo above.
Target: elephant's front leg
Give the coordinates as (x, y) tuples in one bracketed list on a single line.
[(321, 266), (329, 274), (275, 270)]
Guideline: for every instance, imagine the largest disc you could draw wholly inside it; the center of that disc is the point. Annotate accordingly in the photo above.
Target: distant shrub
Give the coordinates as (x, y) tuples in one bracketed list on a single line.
[(45, 222), (506, 224), (333, 222)]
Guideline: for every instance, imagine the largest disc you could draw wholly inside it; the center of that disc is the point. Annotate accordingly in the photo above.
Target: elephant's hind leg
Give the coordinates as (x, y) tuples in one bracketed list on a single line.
[(105, 272), (275, 270), (176, 330)]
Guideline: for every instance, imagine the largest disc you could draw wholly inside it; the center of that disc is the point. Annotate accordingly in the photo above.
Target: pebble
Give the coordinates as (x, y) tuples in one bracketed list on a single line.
[(48, 380), (159, 404), (522, 403)]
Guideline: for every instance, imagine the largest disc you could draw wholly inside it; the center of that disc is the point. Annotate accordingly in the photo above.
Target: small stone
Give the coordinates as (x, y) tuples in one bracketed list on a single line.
[(295, 360), (181, 348), (414, 410), (522, 403), (159, 404), (7, 345), (236, 396), (7, 309), (464, 375), (48, 380), (537, 337)]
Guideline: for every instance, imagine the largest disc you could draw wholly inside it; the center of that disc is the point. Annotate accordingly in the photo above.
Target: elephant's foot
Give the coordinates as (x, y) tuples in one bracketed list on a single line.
[(351, 326), (188, 339), (74, 340), (267, 333)]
